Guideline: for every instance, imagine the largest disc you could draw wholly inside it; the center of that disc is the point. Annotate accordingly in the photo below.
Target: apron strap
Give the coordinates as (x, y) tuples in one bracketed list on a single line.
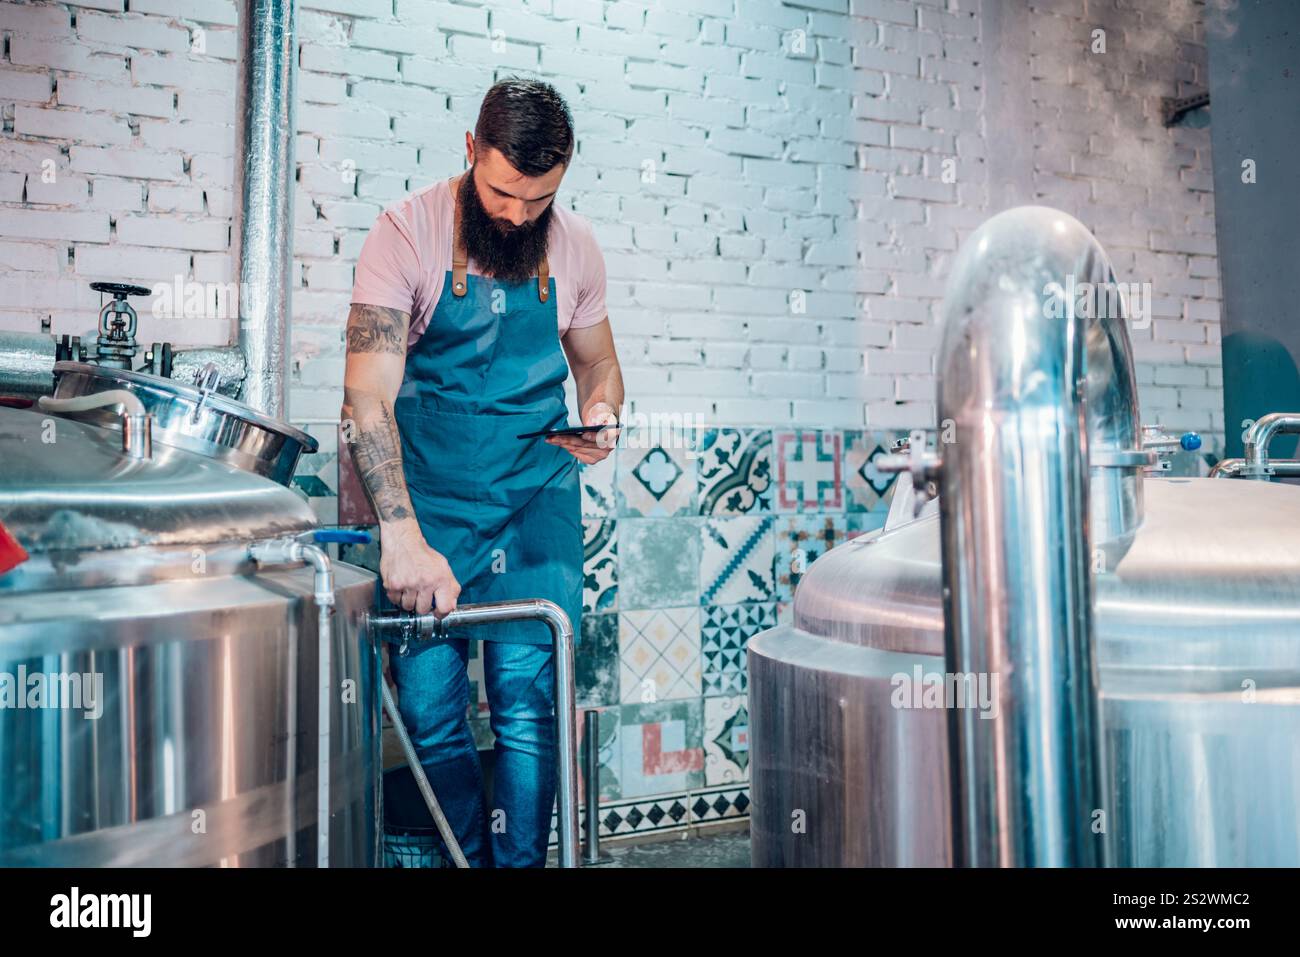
[(460, 260)]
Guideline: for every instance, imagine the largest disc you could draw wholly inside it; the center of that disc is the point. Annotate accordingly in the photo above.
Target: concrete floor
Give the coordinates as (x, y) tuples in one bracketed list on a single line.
[(694, 849)]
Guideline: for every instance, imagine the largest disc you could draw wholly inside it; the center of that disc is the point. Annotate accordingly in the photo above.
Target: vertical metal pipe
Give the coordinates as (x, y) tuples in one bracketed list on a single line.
[(264, 185), (566, 738), (1027, 773), (591, 735)]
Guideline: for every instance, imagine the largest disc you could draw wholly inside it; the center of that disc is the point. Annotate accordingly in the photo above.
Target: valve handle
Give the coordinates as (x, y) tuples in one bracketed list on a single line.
[(120, 290), (340, 536), (1190, 441)]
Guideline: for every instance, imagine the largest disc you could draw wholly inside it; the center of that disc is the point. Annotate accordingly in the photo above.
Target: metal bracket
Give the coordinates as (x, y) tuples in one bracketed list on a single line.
[(1175, 107)]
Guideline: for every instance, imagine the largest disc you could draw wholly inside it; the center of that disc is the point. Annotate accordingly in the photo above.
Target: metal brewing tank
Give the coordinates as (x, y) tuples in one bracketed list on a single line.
[(201, 746), (1195, 600)]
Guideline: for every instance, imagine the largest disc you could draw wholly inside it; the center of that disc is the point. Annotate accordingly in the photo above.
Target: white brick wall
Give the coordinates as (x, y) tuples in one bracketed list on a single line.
[(766, 177)]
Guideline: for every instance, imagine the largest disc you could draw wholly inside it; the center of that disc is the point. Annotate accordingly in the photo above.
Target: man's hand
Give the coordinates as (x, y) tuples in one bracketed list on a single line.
[(415, 576), (590, 449)]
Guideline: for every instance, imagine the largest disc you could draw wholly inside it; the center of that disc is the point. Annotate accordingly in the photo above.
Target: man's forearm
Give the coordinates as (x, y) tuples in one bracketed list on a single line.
[(601, 382), (376, 450), (376, 341)]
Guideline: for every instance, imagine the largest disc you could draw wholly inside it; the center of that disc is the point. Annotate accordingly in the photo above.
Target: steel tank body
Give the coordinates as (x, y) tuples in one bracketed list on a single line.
[(1198, 630), (201, 747)]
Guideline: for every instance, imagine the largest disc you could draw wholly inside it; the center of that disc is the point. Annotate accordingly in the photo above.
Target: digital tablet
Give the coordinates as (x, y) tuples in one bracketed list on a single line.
[(567, 430)]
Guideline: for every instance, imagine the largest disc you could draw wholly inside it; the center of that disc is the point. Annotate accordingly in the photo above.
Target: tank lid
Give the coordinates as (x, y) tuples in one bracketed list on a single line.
[(68, 488)]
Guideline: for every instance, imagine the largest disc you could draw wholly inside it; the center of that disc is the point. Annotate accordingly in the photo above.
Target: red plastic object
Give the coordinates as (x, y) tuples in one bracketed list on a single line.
[(11, 553)]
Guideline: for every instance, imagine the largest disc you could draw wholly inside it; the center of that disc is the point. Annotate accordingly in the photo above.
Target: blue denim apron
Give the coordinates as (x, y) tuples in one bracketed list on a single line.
[(505, 512)]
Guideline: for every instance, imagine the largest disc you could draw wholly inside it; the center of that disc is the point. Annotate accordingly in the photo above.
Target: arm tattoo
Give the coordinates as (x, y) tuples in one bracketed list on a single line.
[(377, 451), (377, 329)]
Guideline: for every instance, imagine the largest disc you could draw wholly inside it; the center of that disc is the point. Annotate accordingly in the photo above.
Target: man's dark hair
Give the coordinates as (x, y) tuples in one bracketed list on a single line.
[(529, 122)]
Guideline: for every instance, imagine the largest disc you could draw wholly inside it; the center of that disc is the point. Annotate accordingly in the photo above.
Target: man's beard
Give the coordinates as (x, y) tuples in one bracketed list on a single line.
[(501, 249)]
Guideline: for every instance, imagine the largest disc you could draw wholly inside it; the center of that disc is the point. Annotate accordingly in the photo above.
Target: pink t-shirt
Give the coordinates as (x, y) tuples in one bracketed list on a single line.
[(407, 255)]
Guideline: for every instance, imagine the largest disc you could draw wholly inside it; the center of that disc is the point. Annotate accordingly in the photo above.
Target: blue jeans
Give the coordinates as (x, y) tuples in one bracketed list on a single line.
[(433, 695)]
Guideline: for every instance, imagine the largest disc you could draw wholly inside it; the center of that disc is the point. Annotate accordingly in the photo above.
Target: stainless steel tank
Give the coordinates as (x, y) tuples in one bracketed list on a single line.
[(1190, 599), (178, 724)]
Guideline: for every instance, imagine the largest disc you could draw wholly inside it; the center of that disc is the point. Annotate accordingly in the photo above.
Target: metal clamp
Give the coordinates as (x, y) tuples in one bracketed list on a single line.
[(1163, 445), (910, 456), (207, 380)]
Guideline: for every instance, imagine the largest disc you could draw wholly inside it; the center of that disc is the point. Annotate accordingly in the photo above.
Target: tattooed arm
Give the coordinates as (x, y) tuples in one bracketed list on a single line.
[(415, 576)]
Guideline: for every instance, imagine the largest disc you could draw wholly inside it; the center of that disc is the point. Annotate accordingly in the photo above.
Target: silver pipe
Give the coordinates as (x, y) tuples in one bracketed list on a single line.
[(422, 779), (1227, 468), (1258, 437), (591, 735), (324, 589), (26, 363), (1028, 389), (403, 627), (229, 362), (264, 184), (1277, 468), (291, 551)]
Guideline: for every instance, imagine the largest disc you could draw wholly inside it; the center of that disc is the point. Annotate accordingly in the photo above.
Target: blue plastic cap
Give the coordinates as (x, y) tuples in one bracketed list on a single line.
[(1191, 441)]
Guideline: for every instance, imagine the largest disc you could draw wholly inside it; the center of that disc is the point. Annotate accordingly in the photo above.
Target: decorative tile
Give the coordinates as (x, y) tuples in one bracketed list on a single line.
[(662, 747), (597, 483), (736, 560), (865, 488), (859, 523), (659, 562), (636, 816), (478, 700), (719, 803), (726, 740), (656, 479), (485, 738), (808, 471), (599, 565), (596, 662), (325, 508), (800, 540), (312, 486), (659, 655), (608, 756), (785, 613), (725, 630), (734, 471), (363, 556)]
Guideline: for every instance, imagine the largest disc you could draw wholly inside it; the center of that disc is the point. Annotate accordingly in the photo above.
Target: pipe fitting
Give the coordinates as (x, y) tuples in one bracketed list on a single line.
[(137, 424)]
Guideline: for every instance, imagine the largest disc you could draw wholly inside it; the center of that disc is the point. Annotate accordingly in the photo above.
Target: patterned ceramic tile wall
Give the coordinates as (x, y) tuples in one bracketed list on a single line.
[(695, 541)]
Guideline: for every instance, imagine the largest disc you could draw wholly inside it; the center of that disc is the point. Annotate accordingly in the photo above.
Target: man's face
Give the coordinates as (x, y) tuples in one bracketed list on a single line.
[(509, 197), (505, 215)]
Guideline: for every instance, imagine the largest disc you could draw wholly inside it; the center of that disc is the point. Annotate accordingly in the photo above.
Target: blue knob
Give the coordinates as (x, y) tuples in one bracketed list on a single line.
[(341, 536), (1190, 441)]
